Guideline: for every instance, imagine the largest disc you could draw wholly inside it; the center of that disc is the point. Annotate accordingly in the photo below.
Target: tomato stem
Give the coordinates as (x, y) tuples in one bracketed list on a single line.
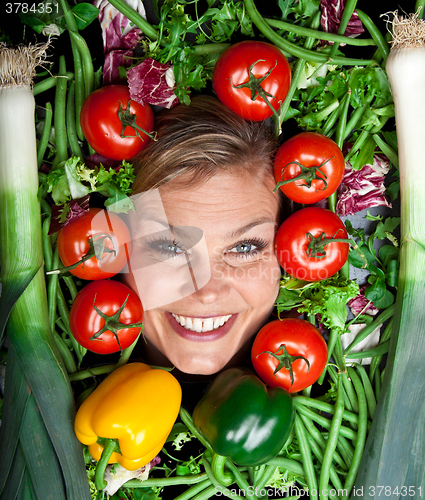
[(316, 247), (129, 119), (254, 85), (285, 360), (97, 249), (113, 323), (308, 174)]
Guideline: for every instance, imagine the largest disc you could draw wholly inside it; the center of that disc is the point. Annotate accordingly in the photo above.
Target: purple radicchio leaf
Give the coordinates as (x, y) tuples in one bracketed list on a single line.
[(151, 82), (361, 305), (62, 215), (331, 18), (95, 160), (120, 38), (365, 188)]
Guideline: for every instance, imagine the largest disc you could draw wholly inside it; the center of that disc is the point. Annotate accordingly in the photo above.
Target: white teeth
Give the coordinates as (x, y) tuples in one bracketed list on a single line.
[(208, 325), (201, 325), (197, 325)]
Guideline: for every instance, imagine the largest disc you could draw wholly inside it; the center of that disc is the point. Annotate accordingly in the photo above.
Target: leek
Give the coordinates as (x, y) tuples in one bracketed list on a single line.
[(393, 463), (39, 452)]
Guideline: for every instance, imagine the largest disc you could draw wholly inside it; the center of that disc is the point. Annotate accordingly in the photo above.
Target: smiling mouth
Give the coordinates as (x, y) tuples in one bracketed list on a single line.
[(201, 324)]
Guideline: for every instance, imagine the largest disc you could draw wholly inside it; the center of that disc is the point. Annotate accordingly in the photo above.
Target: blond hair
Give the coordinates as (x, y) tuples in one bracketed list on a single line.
[(201, 140)]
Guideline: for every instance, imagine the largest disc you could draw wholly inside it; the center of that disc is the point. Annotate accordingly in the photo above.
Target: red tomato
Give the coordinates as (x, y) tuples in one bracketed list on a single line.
[(232, 68), (309, 149), (108, 296), (293, 238), (300, 338), (102, 127), (73, 244)]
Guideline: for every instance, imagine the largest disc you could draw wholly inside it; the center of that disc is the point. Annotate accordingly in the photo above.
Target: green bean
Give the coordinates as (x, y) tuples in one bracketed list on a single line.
[(327, 128), (320, 440), (348, 388), (194, 490), (68, 359), (209, 48), (167, 481), (265, 478), (355, 118), (288, 464), (61, 140), (70, 283), (374, 33), (45, 134), (187, 419), (319, 455), (49, 83), (367, 330), (295, 50), (319, 35), (87, 61), (299, 68), (346, 450), (334, 377), (70, 122), (334, 431), (305, 450), (379, 350), (340, 134), (216, 481), (47, 244), (324, 422), (136, 18), (376, 360), (64, 314), (78, 69), (217, 466), (368, 390), (325, 407), (240, 480), (206, 494), (349, 7), (361, 433)]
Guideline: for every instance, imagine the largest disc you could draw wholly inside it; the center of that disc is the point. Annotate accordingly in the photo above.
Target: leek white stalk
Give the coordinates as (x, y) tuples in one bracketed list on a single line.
[(34, 368), (394, 457)]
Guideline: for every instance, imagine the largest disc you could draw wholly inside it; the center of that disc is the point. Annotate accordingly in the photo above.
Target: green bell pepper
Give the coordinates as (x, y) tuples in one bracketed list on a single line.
[(244, 420)]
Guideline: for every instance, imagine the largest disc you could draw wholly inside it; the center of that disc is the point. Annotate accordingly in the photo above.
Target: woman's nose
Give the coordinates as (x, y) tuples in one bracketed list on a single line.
[(217, 288)]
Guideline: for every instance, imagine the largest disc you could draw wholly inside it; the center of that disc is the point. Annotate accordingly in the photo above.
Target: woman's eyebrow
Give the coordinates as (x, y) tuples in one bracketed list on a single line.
[(244, 229)]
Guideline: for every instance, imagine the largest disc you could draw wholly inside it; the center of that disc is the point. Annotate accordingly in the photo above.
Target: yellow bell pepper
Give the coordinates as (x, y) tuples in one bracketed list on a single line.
[(135, 405)]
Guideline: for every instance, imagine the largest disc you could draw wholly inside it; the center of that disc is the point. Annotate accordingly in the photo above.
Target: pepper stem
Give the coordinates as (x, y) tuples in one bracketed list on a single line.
[(110, 445), (285, 361)]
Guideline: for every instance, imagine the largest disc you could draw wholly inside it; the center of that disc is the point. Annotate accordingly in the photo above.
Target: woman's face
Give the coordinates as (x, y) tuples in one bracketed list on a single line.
[(207, 271)]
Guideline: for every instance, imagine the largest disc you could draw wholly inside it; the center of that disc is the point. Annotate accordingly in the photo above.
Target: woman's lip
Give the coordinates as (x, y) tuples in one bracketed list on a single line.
[(201, 336)]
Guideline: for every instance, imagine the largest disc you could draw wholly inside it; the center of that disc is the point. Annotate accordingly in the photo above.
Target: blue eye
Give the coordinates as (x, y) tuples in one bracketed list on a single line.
[(166, 247), (248, 248)]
